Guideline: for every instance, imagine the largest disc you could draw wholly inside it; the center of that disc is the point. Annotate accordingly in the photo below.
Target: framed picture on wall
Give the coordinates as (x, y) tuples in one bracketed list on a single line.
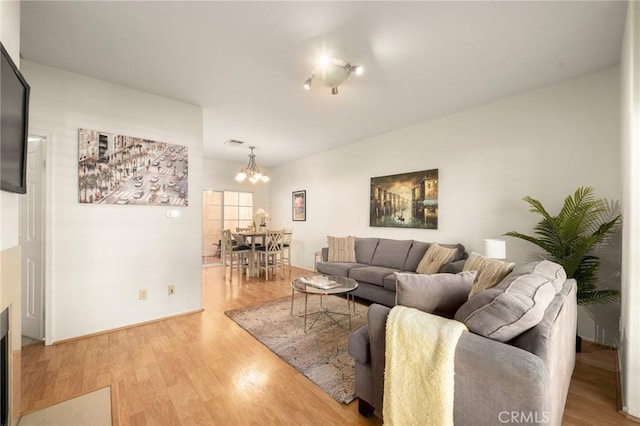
[(119, 169), (299, 205), (407, 200)]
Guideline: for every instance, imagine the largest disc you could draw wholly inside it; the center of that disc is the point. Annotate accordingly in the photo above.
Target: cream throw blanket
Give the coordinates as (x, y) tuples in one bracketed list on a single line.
[(419, 368)]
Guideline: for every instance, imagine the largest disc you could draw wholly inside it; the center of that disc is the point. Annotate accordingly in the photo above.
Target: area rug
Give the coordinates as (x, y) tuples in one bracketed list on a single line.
[(321, 353), (89, 409)]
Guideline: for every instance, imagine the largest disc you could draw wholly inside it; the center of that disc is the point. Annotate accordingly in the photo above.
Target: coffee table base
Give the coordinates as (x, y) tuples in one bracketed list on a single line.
[(324, 311)]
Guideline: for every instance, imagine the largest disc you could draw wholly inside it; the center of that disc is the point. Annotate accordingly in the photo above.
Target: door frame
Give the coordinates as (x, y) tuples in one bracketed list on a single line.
[(209, 265), (47, 204)]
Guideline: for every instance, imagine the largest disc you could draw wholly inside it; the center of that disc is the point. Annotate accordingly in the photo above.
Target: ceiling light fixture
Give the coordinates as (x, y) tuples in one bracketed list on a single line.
[(252, 172), (332, 72)]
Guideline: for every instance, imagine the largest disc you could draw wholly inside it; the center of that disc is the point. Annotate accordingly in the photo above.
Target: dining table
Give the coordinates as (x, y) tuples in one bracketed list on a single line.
[(252, 238)]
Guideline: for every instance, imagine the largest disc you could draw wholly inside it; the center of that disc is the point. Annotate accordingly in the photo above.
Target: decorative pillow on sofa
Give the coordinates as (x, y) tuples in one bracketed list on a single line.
[(489, 272), (342, 249), (513, 306), (435, 258), (440, 294)]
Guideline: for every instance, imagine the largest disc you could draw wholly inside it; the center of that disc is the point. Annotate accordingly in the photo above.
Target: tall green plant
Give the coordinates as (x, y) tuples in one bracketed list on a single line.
[(570, 237)]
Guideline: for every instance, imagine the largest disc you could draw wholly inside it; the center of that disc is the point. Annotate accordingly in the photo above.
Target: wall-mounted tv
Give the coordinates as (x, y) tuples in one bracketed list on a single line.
[(14, 126)]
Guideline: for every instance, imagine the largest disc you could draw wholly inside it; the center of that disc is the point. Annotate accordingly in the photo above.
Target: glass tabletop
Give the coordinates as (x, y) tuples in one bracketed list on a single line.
[(321, 284)]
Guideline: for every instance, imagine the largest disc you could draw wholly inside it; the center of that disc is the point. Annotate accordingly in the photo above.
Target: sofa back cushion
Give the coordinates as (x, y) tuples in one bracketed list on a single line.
[(415, 255), (365, 247), (512, 307), (391, 253), (435, 258), (536, 339), (341, 249)]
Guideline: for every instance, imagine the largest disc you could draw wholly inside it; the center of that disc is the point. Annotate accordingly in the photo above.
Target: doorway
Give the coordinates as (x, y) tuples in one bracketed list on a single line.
[(32, 239), (212, 204)]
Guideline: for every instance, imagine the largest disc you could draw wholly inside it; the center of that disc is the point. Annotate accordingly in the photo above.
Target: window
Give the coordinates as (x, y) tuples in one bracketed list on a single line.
[(238, 210), (228, 208)]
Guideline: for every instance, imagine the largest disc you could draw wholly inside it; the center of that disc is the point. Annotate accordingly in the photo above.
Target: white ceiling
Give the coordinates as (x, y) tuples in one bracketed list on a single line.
[(245, 62)]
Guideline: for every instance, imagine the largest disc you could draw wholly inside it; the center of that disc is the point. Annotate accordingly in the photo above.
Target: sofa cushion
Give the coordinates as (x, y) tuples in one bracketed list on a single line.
[(336, 268), (391, 253), (365, 247), (389, 282), (435, 258), (535, 340), (460, 254), (371, 274), (489, 272), (341, 249), (415, 255), (510, 308), (553, 271), (440, 294)]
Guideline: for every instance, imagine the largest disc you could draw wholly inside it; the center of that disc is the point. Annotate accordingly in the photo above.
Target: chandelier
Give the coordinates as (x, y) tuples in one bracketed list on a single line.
[(252, 172), (332, 72)]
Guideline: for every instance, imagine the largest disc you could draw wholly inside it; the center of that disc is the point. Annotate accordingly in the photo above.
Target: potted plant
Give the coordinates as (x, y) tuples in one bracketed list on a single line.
[(570, 237)]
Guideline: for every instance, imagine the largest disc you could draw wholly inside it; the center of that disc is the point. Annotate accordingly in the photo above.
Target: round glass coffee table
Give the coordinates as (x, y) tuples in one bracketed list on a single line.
[(324, 286)]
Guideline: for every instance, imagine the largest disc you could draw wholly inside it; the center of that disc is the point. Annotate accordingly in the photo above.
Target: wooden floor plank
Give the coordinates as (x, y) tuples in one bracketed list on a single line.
[(204, 369)]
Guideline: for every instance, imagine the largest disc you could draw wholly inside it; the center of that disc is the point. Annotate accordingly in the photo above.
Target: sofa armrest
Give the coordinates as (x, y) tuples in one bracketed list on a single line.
[(377, 324), (494, 381), (358, 345), (325, 254)]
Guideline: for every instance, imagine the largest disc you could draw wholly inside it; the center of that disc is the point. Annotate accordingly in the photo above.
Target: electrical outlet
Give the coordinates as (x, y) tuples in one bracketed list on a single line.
[(142, 294), (172, 290)]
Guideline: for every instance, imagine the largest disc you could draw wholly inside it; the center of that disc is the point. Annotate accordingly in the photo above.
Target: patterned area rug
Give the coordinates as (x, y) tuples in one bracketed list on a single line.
[(321, 353)]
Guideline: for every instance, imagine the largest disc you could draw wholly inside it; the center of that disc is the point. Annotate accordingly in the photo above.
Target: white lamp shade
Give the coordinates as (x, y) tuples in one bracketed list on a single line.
[(495, 249)]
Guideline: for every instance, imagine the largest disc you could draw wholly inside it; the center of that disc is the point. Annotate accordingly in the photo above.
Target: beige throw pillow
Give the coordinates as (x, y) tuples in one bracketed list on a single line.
[(435, 258), (342, 249), (489, 272)]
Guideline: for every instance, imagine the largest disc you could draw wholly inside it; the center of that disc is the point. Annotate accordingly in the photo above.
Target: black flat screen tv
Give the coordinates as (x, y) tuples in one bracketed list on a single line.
[(14, 126)]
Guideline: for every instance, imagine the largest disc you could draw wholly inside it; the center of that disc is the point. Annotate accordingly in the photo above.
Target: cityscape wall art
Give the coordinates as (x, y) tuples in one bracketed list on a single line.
[(117, 169), (407, 200)]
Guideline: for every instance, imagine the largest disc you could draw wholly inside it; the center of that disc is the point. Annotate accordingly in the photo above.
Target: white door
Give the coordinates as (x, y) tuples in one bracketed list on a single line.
[(32, 242)]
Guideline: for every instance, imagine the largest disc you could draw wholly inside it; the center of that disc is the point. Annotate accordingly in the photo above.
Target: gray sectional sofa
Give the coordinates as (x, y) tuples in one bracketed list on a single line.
[(525, 374), (376, 261)]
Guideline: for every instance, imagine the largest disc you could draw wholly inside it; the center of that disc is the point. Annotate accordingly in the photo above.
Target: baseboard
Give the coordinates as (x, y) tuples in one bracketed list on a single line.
[(126, 327), (629, 416), (619, 395)]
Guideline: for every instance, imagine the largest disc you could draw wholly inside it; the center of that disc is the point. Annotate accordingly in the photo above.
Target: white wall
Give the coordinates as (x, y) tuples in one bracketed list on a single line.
[(219, 175), (101, 255), (544, 143), (629, 350)]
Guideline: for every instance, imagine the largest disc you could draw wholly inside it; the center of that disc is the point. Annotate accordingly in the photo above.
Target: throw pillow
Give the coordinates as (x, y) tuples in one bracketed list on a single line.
[(342, 249), (512, 307), (435, 258), (441, 294), (489, 272)]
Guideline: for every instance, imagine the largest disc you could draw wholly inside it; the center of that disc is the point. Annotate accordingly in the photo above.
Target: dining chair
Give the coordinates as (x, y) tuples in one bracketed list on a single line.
[(234, 253), (270, 254), (286, 248)]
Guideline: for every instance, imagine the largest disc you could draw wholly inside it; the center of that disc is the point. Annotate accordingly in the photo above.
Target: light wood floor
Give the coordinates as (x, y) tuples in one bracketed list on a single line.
[(204, 369)]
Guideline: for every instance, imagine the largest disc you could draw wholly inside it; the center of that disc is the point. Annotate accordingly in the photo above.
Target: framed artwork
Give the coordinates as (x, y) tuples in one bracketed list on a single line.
[(407, 200), (117, 169), (299, 205)]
